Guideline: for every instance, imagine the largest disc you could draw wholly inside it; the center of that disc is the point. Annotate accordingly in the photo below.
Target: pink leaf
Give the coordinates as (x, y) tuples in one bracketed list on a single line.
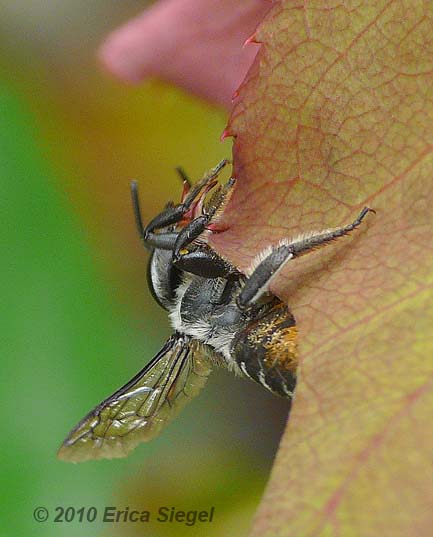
[(195, 45)]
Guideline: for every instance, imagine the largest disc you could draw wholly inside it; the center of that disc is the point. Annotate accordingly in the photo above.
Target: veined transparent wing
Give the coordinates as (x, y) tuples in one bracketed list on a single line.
[(138, 411)]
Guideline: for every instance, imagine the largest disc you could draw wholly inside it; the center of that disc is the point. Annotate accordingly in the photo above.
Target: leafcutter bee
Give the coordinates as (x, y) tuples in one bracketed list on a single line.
[(220, 316)]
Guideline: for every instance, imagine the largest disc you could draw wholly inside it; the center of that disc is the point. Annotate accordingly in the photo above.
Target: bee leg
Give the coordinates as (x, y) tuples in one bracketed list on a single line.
[(169, 216), (205, 262), (172, 214), (271, 261), (201, 259), (196, 227)]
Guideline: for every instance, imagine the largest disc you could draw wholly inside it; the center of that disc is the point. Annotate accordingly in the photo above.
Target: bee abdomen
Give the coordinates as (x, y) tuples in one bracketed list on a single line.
[(266, 351)]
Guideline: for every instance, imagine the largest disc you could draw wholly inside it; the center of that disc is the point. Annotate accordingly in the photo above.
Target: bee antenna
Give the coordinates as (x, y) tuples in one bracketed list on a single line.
[(136, 208), (184, 177)]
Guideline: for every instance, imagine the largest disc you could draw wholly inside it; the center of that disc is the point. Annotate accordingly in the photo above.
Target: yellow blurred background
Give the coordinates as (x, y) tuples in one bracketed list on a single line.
[(77, 318)]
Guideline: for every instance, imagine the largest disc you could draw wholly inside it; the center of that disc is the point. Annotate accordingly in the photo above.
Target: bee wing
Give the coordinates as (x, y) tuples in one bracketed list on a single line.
[(138, 410)]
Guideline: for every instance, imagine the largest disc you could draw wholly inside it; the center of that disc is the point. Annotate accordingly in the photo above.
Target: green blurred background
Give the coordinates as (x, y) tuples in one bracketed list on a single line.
[(77, 317)]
